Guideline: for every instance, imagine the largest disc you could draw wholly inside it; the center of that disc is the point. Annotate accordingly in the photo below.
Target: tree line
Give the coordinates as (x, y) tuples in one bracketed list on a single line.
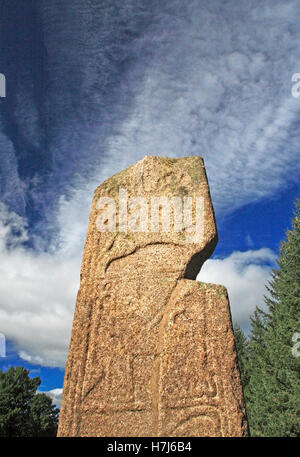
[(269, 359)]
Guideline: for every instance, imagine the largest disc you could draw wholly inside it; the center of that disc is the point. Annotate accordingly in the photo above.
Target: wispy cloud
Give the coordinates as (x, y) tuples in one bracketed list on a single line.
[(178, 78), (219, 86)]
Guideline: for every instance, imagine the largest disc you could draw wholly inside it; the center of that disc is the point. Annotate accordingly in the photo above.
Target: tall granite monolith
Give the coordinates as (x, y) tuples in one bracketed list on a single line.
[(152, 350)]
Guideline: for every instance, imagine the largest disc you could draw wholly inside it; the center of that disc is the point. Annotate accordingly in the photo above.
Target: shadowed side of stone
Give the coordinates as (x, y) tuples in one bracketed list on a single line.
[(200, 392), (147, 345)]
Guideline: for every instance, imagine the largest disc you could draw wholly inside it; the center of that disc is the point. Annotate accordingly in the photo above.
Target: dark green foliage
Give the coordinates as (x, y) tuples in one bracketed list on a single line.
[(242, 348), (270, 371), (44, 416), (23, 412)]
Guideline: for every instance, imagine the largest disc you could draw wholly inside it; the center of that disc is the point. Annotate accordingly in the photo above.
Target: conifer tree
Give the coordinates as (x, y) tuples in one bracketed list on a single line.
[(273, 391), (242, 349)]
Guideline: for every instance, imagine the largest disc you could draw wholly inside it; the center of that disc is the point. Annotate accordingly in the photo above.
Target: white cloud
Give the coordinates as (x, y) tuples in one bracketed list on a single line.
[(245, 275), (37, 297), (55, 395)]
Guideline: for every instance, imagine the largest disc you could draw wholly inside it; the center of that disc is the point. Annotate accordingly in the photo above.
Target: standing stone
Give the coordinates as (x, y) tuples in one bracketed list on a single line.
[(152, 350)]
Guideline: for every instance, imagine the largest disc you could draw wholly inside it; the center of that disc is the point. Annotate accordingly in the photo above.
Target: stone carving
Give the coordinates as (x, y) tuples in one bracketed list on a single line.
[(152, 350)]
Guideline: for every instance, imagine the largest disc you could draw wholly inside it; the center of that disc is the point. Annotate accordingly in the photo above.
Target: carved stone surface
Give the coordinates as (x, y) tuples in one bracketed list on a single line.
[(152, 351)]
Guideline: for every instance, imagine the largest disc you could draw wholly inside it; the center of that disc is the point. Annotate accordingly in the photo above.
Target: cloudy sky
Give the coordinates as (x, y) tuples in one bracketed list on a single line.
[(92, 87)]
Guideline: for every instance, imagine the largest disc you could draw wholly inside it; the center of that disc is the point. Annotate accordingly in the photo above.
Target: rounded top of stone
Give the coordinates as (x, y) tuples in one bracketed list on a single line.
[(171, 159), (155, 169)]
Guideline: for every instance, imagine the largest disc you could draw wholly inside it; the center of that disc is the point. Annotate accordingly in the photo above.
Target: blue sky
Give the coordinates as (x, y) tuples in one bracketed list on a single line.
[(92, 87)]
